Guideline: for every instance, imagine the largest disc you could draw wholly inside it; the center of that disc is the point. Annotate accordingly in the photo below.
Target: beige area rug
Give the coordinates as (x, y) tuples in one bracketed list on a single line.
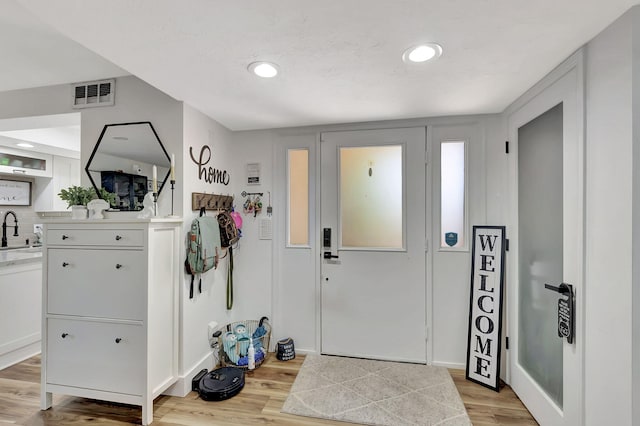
[(375, 393)]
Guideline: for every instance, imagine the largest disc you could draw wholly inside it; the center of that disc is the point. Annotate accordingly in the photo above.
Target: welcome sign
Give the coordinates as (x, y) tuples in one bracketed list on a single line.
[(485, 310)]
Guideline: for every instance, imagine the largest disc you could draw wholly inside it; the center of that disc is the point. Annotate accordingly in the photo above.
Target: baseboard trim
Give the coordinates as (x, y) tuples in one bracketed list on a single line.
[(19, 354), (453, 365), (182, 387)]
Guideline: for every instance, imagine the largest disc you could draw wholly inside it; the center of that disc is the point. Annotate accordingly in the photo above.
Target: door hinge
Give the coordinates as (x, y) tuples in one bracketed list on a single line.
[(426, 246), (506, 244), (506, 147), (426, 157), (506, 343)]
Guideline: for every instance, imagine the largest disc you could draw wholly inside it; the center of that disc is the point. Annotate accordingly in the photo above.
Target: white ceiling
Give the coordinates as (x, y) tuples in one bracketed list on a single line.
[(340, 60)]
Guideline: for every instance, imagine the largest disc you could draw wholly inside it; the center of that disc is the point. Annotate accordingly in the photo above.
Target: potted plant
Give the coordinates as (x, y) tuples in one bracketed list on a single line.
[(77, 198), (109, 197)]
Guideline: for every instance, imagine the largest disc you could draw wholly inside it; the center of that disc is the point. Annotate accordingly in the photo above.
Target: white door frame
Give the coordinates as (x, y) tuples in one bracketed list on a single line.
[(301, 138), (564, 84)]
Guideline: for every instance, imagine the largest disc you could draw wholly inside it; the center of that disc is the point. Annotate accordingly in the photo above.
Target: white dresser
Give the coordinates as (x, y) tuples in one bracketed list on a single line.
[(110, 309)]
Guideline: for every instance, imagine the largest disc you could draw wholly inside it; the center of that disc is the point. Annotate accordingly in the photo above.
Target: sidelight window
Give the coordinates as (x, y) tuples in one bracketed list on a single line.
[(298, 197), (452, 194)]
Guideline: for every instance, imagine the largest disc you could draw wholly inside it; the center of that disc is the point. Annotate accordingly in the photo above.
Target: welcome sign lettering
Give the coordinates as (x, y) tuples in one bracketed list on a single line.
[(485, 310)]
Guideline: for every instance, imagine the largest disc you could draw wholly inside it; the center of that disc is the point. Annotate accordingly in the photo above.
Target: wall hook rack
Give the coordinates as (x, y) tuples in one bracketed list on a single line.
[(245, 193), (200, 200)]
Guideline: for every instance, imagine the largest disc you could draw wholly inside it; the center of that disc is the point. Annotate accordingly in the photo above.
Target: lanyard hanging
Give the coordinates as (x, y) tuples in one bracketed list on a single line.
[(230, 280)]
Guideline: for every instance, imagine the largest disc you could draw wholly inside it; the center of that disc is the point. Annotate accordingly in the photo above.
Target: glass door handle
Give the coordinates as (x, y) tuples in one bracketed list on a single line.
[(562, 288)]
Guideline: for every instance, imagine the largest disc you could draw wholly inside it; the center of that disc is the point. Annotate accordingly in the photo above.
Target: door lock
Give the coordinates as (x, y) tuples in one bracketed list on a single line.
[(326, 238)]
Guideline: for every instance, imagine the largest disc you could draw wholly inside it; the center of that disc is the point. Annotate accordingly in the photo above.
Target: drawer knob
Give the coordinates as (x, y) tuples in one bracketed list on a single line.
[(65, 264), (118, 237), (64, 237), (118, 266), (118, 340), (63, 335)]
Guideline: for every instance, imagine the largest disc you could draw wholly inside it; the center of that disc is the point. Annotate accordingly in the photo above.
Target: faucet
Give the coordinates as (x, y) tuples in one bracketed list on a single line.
[(4, 227)]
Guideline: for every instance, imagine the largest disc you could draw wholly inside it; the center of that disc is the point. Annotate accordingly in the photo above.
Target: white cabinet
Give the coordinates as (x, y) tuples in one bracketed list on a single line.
[(65, 173), (110, 317), (25, 163), (20, 311)]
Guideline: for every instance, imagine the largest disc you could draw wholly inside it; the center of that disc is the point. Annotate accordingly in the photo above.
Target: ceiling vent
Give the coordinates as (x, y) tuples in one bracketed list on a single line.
[(93, 94)]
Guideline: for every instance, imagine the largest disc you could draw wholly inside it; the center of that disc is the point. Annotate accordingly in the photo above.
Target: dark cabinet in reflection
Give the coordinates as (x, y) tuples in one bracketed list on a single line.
[(129, 189)]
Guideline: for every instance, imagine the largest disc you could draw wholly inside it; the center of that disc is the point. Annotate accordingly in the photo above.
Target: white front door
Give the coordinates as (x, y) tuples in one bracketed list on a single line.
[(547, 235), (373, 227)]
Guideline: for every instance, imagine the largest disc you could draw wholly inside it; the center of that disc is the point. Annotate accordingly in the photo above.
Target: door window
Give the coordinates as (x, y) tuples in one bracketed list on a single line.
[(371, 197)]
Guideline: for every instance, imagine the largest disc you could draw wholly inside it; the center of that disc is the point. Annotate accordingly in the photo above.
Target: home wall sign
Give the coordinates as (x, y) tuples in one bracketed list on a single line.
[(209, 174), (485, 310), (15, 193)]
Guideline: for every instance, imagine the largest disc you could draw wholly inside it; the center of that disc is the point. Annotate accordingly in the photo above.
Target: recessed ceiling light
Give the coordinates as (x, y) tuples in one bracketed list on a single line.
[(263, 69), (25, 145), (422, 52)]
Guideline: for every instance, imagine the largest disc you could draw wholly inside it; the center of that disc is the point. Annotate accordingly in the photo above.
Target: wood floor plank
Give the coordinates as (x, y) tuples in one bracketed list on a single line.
[(259, 403), (27, 371)]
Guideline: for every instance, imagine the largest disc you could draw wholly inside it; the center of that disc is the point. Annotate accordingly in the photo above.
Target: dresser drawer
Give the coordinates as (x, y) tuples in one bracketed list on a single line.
[(95, 355), (97, 283), (96, 237)]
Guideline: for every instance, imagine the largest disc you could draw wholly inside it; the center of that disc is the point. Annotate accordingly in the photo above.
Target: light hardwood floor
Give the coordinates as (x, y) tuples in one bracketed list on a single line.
[(259, 402)]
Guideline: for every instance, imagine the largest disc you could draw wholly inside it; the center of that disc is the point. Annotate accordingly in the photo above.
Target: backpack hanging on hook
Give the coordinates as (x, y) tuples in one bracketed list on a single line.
[(228, 229), (202, 247), (228, 237)]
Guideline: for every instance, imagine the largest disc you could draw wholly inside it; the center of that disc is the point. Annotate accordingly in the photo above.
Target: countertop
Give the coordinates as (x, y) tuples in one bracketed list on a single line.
[(20, 255)]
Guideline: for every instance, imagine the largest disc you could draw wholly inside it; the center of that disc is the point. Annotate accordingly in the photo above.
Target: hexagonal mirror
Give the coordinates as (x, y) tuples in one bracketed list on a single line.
[(122, 163)]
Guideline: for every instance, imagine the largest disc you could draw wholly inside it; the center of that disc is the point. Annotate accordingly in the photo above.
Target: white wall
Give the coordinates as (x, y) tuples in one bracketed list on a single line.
[(136, 101), (37, 101), (254, 257), (635, 373), (280, 284), (451, 268), (210, 305), (295, 291), (609, 147)]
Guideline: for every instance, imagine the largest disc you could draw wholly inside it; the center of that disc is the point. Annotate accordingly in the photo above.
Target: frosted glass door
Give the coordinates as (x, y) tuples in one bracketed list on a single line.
[(540, 230), (546, 185)]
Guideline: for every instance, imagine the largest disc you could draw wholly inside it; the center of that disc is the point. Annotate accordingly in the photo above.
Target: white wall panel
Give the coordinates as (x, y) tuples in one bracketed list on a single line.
[(451, 268), (608, 226)]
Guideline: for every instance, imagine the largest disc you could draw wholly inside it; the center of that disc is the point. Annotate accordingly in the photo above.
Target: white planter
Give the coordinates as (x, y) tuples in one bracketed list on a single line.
[(78, 212)]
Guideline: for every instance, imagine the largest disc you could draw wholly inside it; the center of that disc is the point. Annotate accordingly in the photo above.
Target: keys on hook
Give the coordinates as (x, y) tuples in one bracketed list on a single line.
[(253, 204)]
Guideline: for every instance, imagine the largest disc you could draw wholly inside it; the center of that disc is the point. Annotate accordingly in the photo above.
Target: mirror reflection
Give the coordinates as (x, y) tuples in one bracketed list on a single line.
[(122, 163)]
